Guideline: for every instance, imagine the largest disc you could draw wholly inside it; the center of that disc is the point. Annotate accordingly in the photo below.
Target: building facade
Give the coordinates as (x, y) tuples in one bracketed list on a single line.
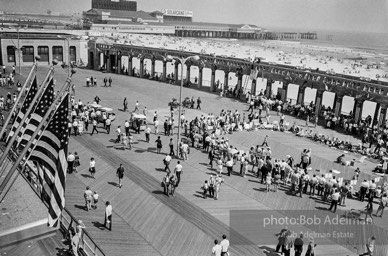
[(123, 5), (48, 46)]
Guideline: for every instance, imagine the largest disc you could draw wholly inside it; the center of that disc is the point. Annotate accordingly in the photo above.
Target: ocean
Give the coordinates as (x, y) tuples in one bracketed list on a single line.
[(376, 43)]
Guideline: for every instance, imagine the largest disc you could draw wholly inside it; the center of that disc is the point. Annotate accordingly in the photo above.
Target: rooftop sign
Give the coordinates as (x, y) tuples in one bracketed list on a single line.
[(181, 13)]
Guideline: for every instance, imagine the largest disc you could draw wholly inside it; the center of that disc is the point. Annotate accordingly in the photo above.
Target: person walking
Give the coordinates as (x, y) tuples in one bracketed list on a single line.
[(95, 200), (178, 170), (125, 104), (108, 123), (118, 133), (94, 122), (166, 184), (173, 184), (171, 145), (205, 188), (265, 142), (158, 145), (120, 174), (217, 249), (199, 103), (108, 215), (76, 162), (126, 127), (212, 182), (382, 204), (92, 167), (70, 162), (110, 82), (88, 195), (224, 246), (218, 182), (167, 161), (147, 133)]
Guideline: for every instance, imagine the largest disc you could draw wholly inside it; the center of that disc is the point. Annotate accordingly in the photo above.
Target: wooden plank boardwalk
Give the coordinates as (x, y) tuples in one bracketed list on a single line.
[(122, 240), (238, 193), (173, 226), (185, 224)]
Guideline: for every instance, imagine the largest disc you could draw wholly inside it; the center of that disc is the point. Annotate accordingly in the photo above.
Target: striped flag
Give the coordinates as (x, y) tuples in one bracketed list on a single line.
[(49, 154), (27, 101), (44, 104)]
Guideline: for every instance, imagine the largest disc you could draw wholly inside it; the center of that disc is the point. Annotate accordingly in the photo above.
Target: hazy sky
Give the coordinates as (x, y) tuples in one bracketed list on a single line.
[(350, 15)]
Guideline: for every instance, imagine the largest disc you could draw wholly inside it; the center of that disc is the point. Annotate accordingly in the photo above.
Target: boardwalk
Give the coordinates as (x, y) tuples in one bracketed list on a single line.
[(146, 222)]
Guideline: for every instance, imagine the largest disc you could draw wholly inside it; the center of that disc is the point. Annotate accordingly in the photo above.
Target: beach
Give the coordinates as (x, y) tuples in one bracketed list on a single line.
[(305, 55)]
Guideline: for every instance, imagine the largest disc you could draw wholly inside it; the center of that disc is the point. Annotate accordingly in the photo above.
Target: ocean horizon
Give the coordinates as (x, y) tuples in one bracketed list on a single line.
[(370, 42)]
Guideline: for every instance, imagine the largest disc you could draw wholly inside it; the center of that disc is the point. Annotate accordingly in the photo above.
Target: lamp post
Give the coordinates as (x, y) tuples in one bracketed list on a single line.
[(182, 61)]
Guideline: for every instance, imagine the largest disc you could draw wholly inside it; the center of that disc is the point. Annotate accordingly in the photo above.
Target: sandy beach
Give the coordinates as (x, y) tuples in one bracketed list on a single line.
[(306, 56)]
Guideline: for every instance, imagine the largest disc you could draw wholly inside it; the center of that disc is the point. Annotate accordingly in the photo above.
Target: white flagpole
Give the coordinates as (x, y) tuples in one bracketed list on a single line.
[(33, 69), (37, 96), (57, 99)]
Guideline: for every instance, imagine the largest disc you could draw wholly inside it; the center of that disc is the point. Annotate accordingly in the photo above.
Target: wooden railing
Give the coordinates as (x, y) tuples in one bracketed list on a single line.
[(29, 173)]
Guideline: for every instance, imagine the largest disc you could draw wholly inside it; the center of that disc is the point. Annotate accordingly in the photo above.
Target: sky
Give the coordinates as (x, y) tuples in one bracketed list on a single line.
[(295, 15)]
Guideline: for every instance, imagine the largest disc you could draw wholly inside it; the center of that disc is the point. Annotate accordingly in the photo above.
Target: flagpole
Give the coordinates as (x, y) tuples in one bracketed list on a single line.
[(33, 68), (36, 97), (57, 99)]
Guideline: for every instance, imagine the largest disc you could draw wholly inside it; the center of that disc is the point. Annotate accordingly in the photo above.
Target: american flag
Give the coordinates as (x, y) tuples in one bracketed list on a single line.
[(27, 101), (44, 104), (49, 155)]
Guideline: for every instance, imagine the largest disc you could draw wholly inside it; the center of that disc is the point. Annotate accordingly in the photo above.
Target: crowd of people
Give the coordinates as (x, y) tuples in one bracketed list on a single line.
[(209, 134)]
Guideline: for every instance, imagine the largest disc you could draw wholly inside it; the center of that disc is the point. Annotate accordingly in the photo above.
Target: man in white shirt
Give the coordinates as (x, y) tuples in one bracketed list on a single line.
[(216, 251), (229, 166), (147, 133), (334, 200), (108, 215), (178, 172), (70, 162), (167, 161), (224, 245), (107, 125), (126, 126), (185, 149)]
